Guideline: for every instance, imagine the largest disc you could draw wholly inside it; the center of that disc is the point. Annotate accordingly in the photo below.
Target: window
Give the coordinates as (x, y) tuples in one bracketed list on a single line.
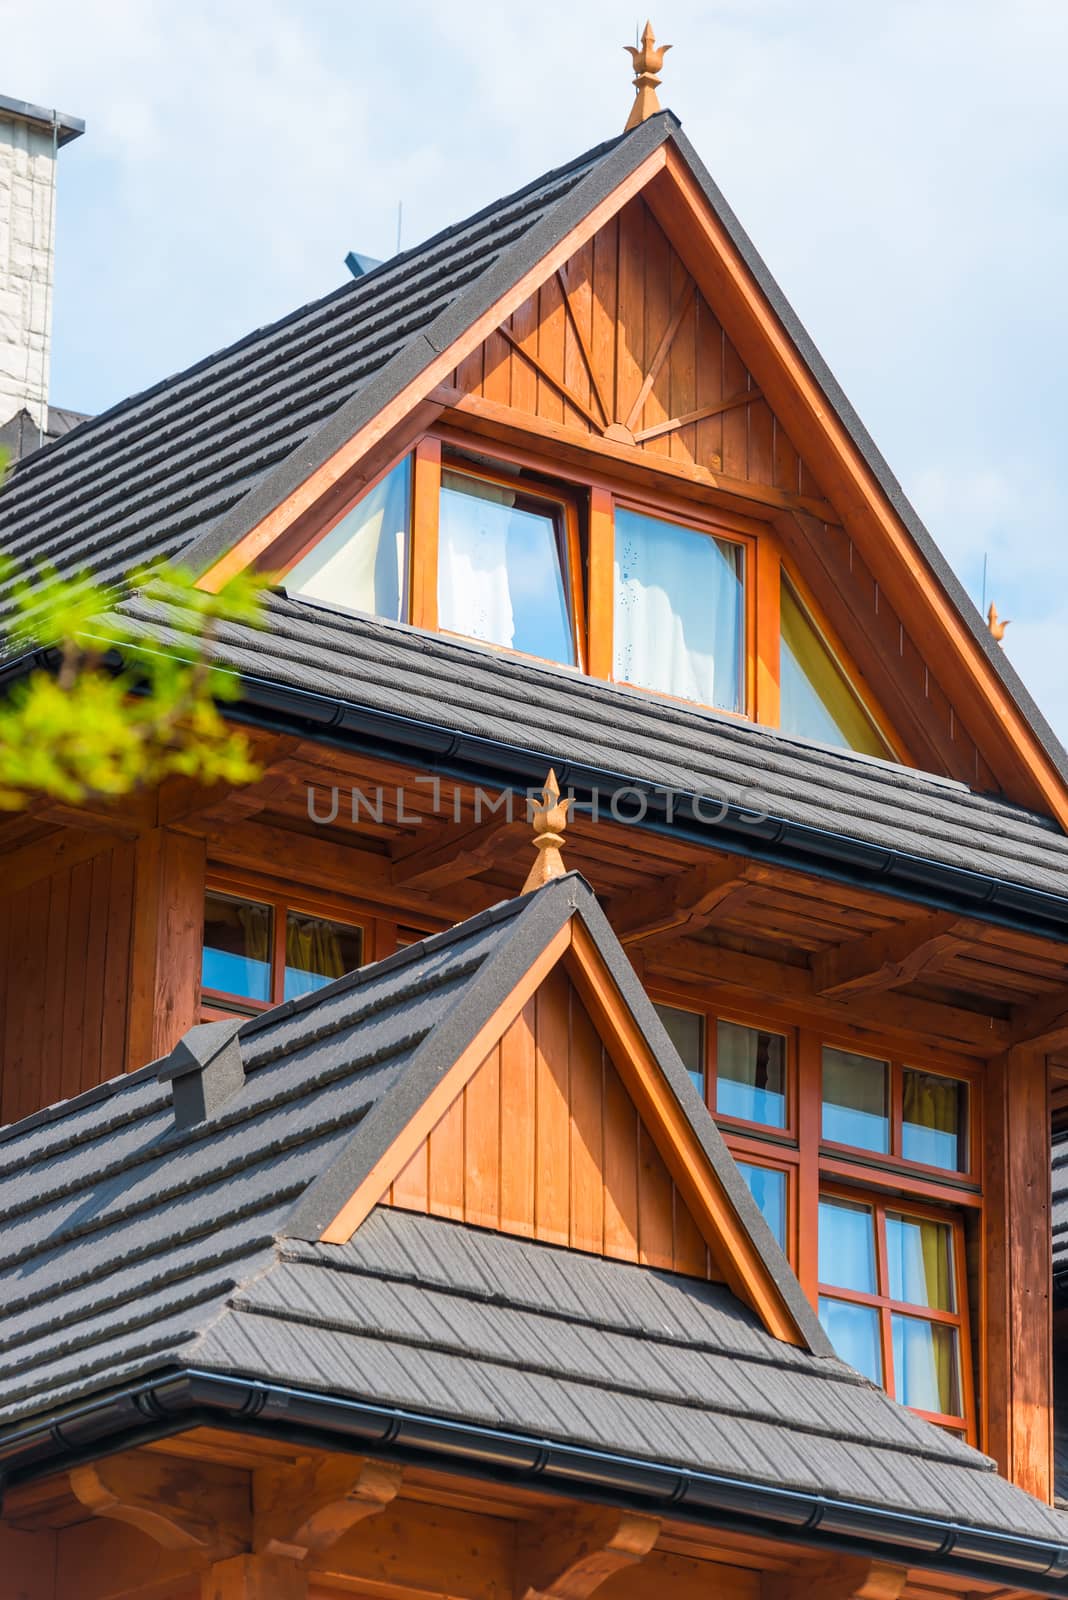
[(260, 953), (521, 551), (503, 567), (891, 1302), (767, 1185), (816, 698), (362, 562), (750, 1074), (686, 1030), (860, 1100), (679, 616)]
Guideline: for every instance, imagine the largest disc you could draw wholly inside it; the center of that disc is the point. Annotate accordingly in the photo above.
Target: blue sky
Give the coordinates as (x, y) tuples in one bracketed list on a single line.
[(902, 168)]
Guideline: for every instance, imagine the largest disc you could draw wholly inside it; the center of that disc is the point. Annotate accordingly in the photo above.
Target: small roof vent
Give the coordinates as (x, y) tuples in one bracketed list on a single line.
[(359, 265), (204, 1070)]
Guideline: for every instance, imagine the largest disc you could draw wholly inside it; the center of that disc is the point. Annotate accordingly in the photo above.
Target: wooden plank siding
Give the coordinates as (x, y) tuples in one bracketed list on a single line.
[(65, 981), (545, 1142), (563, 360)]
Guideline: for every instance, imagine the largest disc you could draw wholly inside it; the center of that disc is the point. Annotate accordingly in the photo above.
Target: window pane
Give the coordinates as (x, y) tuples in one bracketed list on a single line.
[(854, 1332), (935, 1120), (317, 952), (926, 1365), (363, 562), (751, 1074), (767, 1185), (847, 1245), (678, 611), (502, 575), (237, 947), (856, 1107), (919, 1258), (686, 1030), (817, 700)]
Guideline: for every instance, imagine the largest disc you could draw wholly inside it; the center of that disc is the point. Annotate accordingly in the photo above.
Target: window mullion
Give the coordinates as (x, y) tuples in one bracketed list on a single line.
[(423, 557), (601, 584), (764, 648)]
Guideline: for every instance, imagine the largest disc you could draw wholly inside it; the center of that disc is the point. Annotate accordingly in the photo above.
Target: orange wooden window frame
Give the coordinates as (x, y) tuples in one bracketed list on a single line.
[(897, 1067), (593, 603), (814, 1166), (882, 1302)]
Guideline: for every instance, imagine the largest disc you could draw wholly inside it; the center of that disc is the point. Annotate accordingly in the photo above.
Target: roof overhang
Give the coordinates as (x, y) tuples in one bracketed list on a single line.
[(66, 127)]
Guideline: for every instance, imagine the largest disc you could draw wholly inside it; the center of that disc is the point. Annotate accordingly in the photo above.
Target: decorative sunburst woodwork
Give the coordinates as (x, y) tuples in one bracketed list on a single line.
[(620, 344)]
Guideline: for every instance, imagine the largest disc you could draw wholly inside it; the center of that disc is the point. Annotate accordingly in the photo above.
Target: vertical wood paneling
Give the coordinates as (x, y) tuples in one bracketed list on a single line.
[(552, 1120), (517, 1120), (544, 1141), (64, 982)]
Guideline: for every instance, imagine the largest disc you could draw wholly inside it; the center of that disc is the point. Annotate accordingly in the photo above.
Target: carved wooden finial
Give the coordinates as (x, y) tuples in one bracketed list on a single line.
[(997, 627), (648, 61), (550, 820)]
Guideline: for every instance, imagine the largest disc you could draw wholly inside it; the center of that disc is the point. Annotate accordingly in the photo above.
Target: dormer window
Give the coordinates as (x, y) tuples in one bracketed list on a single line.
[(679, 611), (362, 561), (507, 566), (647, 588)]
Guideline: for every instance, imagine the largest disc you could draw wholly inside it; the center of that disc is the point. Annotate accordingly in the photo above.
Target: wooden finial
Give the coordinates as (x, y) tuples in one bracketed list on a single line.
[(997, 628), (550, 820), (648, 61)]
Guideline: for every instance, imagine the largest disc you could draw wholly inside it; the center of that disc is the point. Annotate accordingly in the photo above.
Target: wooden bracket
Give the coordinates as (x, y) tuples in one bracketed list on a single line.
[(686, 903), (302, 1511), (891, 956), (851, 1578), (568, 1558), (182, 1505)]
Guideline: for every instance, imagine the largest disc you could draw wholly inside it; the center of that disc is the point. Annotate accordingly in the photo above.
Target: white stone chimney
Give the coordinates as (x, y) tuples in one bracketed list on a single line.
[(30, 140)]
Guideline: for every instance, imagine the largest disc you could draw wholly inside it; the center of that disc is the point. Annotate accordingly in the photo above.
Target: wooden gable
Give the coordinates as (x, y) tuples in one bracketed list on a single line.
[(545, 1141), (620, 349)]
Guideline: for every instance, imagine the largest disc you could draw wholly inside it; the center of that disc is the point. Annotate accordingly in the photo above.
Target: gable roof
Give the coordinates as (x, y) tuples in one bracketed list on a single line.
[(146, 1268), (190, 466)]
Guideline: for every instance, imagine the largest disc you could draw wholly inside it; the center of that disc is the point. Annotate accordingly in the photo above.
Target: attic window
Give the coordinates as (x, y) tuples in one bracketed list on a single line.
[(679, 618), (506, 569), (362, 561), (817, 699)]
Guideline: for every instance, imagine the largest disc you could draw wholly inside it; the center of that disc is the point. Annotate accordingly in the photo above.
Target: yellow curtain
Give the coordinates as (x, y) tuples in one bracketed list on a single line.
[(313, 946), (255, 923), (817, 696)]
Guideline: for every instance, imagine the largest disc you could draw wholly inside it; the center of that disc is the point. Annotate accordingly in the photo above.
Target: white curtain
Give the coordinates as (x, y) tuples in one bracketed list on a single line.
[(677, 611), (474, 591), (362, 563)]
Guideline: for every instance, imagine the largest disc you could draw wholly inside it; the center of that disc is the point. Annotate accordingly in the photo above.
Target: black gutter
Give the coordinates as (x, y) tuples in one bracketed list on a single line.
[(179, 1401), (737, 829)]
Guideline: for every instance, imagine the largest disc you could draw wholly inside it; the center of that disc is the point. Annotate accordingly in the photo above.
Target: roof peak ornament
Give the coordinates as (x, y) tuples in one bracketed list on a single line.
[(648, 60), (549, 820), (994, 624)]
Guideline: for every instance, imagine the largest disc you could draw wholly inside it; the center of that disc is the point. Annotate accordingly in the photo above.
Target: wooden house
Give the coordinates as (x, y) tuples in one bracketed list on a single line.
[(369, 1226)]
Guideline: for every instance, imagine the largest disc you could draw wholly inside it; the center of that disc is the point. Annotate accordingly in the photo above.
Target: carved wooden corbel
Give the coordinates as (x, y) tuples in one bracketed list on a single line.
[(568, 1558), (303, 1510), (191, 1506), (848, 1578)]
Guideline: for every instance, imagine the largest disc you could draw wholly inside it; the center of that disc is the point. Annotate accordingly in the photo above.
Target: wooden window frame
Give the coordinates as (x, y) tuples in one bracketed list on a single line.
[(886, 1306), (892, 1160), (378, 933), (592, 602)]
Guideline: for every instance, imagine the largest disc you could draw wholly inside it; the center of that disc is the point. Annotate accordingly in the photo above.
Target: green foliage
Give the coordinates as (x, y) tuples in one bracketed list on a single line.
[(110, 713)]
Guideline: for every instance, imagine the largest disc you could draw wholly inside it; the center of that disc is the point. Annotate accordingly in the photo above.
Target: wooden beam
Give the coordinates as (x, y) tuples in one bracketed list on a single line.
[(551, 379), (503, 422), (1041, 1024), (451, 853), (568, 1557), (302, 1511), (248, 1577), (1015, 1270), (847, 1578), (685, 903), (902, 1017), (743, 397), (168, 934), (584, 345), (181, 1505), (890, 956), (685, 300)]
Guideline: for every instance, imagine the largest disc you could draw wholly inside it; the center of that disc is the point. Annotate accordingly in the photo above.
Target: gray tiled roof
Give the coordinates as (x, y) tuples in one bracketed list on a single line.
[(132, 1249), (188, 466), (577, 722)]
